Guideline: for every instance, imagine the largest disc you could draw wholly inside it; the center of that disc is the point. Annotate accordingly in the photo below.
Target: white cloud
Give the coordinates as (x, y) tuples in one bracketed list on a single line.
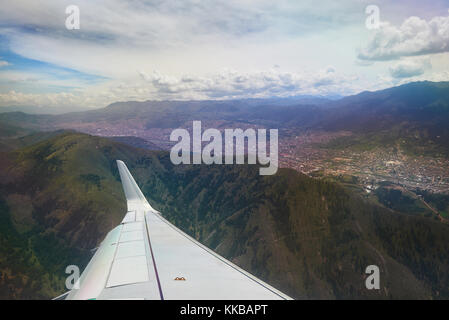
[(414, 37), (410, 68), (234, 84), (227, 84), (175, 36), (4, 63), (189, 42)]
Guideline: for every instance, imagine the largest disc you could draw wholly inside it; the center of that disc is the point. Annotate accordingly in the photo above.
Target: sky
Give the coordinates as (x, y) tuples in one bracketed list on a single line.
[(177, 50)]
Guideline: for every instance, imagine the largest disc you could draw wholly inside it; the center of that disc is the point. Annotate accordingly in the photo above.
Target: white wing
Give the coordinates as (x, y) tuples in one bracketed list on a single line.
[(146, 257)]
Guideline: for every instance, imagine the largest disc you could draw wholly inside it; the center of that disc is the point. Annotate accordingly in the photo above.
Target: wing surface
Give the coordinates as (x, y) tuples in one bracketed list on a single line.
[(147, 257)]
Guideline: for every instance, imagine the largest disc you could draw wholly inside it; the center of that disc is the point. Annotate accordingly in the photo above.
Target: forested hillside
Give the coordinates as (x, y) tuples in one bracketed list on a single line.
[(310, 238)]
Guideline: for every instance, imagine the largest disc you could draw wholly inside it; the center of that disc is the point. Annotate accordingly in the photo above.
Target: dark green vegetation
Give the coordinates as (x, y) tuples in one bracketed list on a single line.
[(136, 142), (396, 197), (414, 116), (9, 134), (310, 238), (400, 201), (438, 201)]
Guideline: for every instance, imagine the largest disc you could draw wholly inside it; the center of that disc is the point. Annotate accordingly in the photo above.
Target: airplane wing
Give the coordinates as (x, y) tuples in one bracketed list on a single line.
[(146, 257)]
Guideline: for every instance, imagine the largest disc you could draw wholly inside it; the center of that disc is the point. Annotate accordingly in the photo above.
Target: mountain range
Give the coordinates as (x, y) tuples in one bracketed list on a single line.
[(417, 112)]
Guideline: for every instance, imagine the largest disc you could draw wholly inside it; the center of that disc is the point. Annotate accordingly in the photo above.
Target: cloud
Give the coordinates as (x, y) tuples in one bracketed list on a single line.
[(414, 37), (171, 34), (13, 98), (230, 84), (226, 84), (410, 68), (4, 63), (188, 43)]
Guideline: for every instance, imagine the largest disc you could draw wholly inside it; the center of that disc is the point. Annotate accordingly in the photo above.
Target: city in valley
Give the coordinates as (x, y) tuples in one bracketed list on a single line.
[(311, 152)]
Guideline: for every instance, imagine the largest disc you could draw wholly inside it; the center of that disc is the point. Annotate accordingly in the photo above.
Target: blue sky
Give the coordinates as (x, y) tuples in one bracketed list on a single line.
[(59, 78), (153, 50)]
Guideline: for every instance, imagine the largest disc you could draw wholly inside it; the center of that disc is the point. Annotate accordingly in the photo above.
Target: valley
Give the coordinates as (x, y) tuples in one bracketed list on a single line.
[(346, 195), (399, 135)]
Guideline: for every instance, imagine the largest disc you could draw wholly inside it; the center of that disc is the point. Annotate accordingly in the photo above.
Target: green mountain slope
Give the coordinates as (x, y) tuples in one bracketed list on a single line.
[(414, 116), (309, 238)]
